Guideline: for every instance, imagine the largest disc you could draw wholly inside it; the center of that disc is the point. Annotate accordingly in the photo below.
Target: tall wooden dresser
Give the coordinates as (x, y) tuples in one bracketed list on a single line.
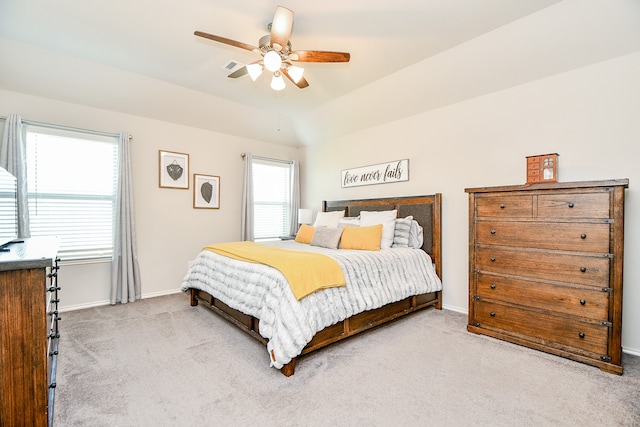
[(28, 332), (545, 267)]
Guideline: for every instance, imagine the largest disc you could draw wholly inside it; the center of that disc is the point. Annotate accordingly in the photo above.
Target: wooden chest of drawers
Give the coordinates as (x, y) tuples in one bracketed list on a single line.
[(545, 267), (29, 332)]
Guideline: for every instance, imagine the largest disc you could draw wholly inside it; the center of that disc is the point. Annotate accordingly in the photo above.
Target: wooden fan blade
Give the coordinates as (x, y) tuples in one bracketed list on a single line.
[(227, 41), (302, 83), (319, 56), (238, 73), (281, 27)]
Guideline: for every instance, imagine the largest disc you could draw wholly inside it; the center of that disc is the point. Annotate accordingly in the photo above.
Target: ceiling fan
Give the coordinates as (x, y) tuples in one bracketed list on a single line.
[(277, 54)]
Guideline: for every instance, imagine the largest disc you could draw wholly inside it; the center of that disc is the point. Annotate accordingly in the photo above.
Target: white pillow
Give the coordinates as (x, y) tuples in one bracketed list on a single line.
[(328, 219), (416, 235), (349, 221), (388, 221)]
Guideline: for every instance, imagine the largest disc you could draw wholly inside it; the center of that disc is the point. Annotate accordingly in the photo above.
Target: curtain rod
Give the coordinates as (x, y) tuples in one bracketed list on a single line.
[(62, 127), (243, 155)]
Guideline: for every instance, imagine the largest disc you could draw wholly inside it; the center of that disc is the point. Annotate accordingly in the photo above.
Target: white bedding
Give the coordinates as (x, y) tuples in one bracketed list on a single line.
[(374, 278)]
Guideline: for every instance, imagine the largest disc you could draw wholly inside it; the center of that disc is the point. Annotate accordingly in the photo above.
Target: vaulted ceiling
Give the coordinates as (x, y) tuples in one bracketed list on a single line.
[(407, 56)]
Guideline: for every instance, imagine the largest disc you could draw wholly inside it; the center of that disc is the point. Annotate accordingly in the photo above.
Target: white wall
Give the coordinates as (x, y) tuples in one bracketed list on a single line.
[(589, 116), (170, 232)]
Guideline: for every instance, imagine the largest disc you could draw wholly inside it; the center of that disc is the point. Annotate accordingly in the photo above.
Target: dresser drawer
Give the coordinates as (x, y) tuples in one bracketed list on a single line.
[(589, 303), (586, 237), (574, 205), (556, 331), (579, 269), (505, 206)]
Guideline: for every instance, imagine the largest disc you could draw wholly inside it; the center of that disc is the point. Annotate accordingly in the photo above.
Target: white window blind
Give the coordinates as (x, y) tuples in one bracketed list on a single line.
[(72, 178), (271, 198)]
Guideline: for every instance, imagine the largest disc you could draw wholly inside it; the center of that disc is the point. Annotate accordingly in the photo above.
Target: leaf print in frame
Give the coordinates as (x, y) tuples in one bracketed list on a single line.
[(206, 191), (174, 170)]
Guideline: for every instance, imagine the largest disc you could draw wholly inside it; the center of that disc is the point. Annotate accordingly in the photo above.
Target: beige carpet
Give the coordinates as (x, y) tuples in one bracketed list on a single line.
[(160, 362)]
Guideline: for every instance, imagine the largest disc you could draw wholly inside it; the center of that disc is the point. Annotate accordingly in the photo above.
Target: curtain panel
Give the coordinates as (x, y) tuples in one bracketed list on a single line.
[(13, 157), (247, 232), (125, 272)]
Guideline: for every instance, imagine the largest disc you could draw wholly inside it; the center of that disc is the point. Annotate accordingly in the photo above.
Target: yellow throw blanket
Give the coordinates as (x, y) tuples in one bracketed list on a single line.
[(306, 272)]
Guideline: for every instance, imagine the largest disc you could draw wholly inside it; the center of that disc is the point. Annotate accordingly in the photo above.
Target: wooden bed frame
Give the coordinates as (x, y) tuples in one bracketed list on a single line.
[(427, 210)]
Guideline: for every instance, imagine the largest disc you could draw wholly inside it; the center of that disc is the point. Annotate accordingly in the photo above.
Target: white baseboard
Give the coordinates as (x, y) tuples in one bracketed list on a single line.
[(456, 309), (631, 351), (107, 302), (161, 293)]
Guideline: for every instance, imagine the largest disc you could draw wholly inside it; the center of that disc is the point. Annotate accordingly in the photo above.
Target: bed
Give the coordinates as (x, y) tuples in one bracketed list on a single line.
[(243, 293)]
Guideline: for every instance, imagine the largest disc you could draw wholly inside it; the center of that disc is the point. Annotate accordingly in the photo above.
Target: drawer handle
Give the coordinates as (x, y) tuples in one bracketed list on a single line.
[(52, 385), (493, 286), (493, 259), (582, 302), (583, 236), (492, 314), (493, 231), (581, 334), (583, 269), (501, 206), (53, 353), (571, 204)]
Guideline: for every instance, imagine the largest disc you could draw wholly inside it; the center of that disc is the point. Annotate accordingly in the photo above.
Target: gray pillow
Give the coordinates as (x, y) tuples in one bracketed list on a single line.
[(326, 237), (402, 232)]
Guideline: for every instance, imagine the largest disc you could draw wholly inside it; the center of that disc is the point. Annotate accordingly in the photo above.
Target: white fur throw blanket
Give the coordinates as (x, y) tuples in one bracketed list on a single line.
[(374, 278)]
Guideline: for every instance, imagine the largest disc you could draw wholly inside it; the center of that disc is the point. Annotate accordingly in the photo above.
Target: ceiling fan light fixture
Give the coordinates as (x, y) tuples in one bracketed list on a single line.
[(272, 61), (254, 71), (277, 82), (295, 73), (277, 53), (282, 23)]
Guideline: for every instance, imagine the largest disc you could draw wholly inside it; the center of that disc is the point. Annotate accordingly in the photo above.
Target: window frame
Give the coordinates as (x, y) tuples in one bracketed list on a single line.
[(259, 235), (75, 252)]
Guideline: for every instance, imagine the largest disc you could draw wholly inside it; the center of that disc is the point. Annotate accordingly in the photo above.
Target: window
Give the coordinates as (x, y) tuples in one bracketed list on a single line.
[(72, 179), (271, 198)]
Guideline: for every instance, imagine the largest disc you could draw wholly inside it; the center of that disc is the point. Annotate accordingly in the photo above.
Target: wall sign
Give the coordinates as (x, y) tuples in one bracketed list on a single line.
[(383, 173)]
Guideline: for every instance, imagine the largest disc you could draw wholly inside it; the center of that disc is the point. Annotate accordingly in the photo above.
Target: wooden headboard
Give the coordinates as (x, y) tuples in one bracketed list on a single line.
[(427, 210)]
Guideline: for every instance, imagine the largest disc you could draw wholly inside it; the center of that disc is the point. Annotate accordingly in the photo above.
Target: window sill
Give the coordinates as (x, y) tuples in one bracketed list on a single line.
[(84, 261)]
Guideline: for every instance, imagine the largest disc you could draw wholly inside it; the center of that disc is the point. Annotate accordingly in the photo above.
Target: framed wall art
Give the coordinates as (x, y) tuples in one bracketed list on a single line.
[(174, 170), (206, 191), (382, 173)]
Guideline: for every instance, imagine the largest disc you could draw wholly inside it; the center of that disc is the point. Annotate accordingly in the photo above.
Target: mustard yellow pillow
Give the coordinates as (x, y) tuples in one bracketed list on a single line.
[(305, 234), (364, 238)]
